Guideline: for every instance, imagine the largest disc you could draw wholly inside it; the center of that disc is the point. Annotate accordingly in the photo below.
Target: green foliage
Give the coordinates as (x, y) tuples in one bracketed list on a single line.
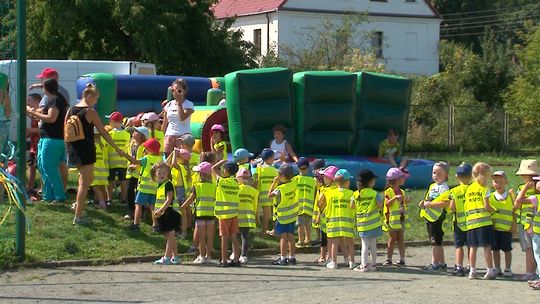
[(180, 37), (332, 45), (7, 30), (522, 96)]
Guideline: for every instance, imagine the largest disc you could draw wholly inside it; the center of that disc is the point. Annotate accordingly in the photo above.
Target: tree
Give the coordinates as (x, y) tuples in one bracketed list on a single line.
[(180, 37), (522, 97), (332, 45), (7, 29)]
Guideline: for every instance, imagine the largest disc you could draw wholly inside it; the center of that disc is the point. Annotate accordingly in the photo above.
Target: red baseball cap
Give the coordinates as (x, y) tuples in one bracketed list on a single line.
[(47, 73), (115, 116), (152, 145)]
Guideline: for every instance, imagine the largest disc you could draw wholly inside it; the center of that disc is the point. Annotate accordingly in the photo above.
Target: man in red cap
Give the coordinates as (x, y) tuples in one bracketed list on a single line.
[(48, 73)]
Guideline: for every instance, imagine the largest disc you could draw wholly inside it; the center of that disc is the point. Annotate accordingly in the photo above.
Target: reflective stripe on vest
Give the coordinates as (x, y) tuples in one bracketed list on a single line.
[(121, 138), (476, 214), (205, 199), (394, 221), (146, 184), (287, 208), (227, 198), (161, 195), (135, 173), (525, 213), (340, 217), (432, 214), (503, 217), (248, 206), (368, 215), (265, 177), (305, 194), (458, 196)]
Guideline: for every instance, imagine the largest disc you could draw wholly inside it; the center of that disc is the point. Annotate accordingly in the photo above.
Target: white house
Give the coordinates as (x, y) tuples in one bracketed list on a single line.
[(405, 32)]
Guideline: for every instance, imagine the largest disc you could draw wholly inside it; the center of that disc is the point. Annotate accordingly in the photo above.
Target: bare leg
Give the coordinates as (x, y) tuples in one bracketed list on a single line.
[(210, 232), (508, 259), (224, 248), (497, 259), (236, 247), (86, 176), (200, 230)]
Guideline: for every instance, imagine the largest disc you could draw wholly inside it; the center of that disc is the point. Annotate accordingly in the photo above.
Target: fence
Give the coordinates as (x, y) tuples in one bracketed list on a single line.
[(466, 128)]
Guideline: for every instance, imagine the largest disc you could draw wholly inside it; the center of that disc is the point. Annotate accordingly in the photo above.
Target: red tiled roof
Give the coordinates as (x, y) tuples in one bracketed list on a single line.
[(231, 8)]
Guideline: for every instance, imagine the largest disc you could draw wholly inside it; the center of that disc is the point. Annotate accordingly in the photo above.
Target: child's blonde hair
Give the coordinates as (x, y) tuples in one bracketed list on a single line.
[(159, 165), (481, 172)]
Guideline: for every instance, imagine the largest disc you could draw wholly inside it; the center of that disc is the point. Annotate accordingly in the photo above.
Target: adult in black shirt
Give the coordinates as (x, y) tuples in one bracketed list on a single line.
[(51, 146)]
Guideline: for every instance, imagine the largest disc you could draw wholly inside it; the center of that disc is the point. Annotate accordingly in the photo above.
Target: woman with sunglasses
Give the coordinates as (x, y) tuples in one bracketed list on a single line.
[(177, 118)]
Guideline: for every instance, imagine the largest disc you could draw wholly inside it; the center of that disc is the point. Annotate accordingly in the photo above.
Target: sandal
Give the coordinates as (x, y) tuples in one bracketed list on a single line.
[(320, 261), (535, 286)]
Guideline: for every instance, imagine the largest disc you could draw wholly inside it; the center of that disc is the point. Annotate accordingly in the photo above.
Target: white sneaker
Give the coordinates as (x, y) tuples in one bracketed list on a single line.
[(243, 259), (362, 268), (231, 257), (200, 260), (508, 273), (352, 265), (472, 275), (490, 275), (331, 265)]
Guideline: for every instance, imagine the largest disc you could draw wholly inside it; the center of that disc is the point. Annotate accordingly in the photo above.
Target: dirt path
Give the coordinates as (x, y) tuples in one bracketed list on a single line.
[(260, 282)]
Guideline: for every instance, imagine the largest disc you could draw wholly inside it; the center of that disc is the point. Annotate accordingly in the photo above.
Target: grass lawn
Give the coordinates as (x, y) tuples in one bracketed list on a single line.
[(52, 236)]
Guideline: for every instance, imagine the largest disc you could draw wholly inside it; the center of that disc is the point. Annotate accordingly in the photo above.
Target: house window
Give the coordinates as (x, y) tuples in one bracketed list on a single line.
[(411, 46), (410, 0), (378, 0), (377, 44), (257, 40)]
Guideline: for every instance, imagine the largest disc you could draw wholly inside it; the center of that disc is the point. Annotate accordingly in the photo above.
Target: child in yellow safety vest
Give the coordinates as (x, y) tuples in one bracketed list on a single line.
[(136, 150), (187, 141), (433, 210), (226, 210), (167, 219), (146, 190), (306, 191), (368, 204), (283, 191), (242, 157), (181, 177), (247, 211), (318, 220), (528, 168), (534, 229), (263, 177), (478, 217), (504, 222), (459, 223), (101, 171), (117, 163), (150, 120), (396, 219), (217, 142), (203, 198)]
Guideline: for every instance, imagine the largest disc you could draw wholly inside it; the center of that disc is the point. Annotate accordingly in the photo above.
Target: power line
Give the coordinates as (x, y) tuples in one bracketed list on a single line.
[(493, 23), (489, 10), (523, 9), (476, 34)]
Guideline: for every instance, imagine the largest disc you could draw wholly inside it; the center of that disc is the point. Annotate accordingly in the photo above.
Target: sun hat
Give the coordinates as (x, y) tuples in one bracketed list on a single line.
[(444, 165), (152, 145), (464, 170), (144, 131), (329, 172), (242, 153), (528, 167), (204, 167), (499, 173), (188, 140), (241, 172), (115, 116), (150, 116), (394, 173), (267, 153), (217, 127), (47, 73), (302, 163), (344, 174), (318, 164)]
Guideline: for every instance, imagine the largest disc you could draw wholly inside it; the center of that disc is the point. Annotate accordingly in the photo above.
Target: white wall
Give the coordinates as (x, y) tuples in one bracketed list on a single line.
[(250, 23), (390, 7)]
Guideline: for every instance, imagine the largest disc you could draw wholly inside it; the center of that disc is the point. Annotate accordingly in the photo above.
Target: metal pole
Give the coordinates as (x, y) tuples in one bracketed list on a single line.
[(21, 123)]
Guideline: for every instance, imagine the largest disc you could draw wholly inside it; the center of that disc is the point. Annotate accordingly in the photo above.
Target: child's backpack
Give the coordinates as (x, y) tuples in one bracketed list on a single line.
[(73, 129)]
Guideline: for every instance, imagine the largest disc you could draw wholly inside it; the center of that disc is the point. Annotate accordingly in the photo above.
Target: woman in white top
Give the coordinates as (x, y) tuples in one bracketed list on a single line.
[(177, 118), (283, 151)]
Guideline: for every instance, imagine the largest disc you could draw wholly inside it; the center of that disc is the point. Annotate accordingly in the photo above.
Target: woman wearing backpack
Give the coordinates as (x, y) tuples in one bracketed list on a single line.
[(82, 152), (51, 146)]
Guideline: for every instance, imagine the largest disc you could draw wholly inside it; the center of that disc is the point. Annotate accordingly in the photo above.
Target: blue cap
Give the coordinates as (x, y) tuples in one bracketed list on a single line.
[(464, 170), (302, 162), (267, 153), (344, 173), (242, 153)]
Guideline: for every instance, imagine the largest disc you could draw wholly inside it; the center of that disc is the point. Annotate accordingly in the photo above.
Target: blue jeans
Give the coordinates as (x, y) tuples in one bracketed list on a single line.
[(50, 153), (536, 250)]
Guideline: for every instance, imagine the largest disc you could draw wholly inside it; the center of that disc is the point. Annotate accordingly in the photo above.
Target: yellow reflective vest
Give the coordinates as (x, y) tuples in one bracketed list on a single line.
[(432, 214), (138, 155), (219, 145), (316, 211), (475, 212), (247, 210), (161, 195), (458, 195), (265, 177), (503, 216), (340, 217), (160, 136), (394, 218), (536, 218), (227, 198), (286, 205), (146, 184), (525, 213), (101, 167), (205, 199), (121, 138), (182, 178), (306, 189), (368, 214)]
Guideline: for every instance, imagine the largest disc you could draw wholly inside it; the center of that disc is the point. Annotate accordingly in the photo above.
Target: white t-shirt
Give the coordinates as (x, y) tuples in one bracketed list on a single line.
[(278, 148), (177, 127)]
